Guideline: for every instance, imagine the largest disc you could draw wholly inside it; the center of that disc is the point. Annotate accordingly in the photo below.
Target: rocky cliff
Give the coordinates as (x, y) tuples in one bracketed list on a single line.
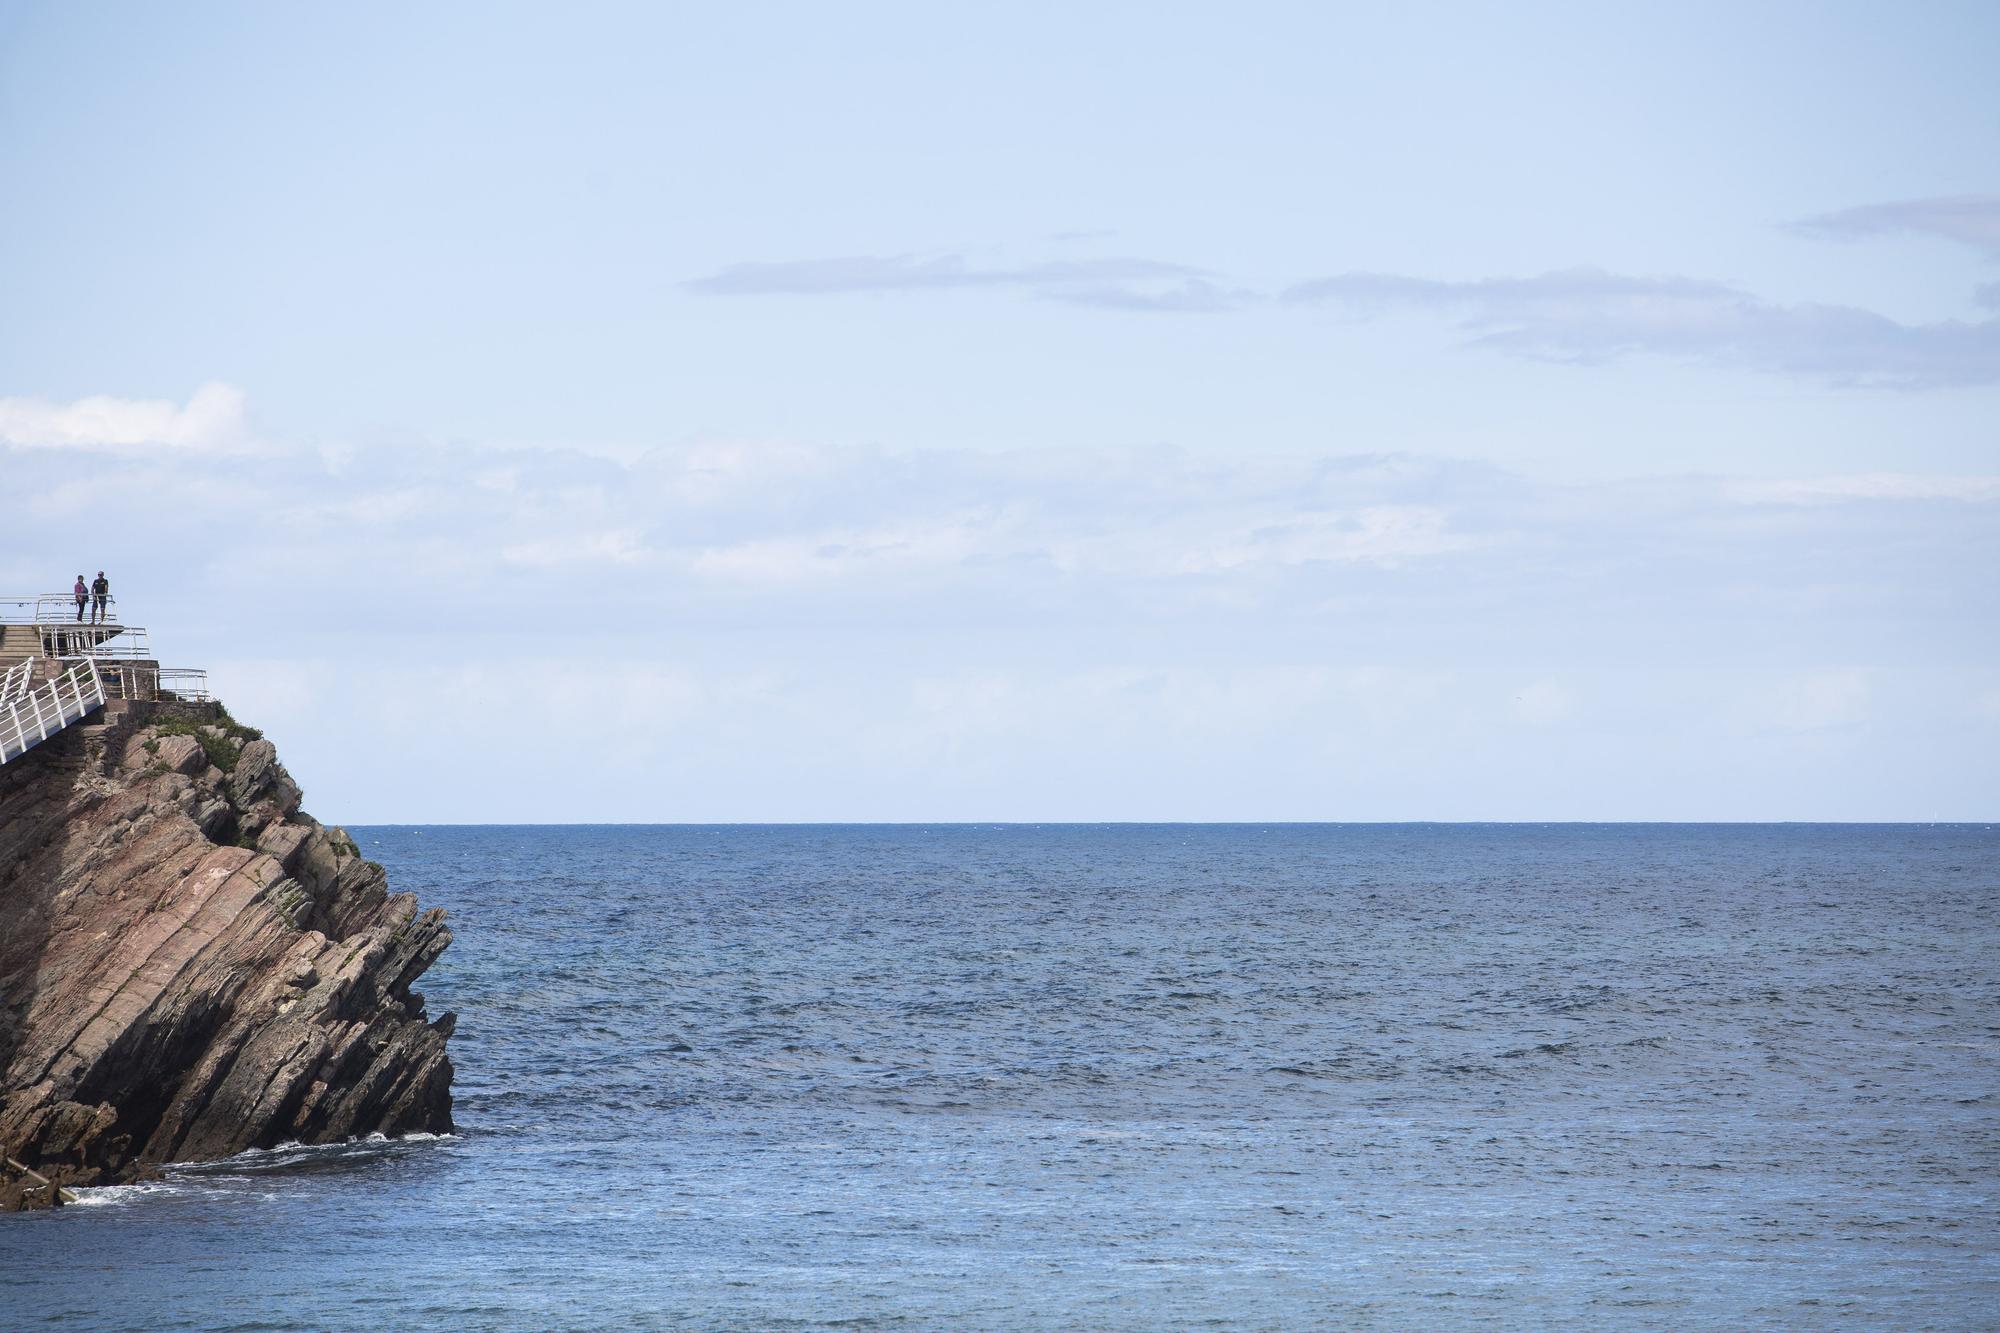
[(189, 966)]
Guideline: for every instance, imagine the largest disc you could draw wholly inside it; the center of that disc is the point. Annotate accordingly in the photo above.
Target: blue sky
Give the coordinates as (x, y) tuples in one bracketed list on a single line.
[(790, 412)]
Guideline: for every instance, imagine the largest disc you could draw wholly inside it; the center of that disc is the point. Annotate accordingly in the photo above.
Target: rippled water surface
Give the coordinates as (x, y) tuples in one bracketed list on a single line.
[(1131, 1076)]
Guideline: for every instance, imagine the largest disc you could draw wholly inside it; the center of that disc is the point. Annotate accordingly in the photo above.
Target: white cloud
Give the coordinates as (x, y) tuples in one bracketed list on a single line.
[(1863, 486), (275, 692), (721, 473), (1194, 538), (586, 549), (805, 631), (1385, 535), (1821, 700), (1542, 703), (545, 704), (895, 548), (1144, 285), (974, 717), (870, 273), (212, 422), (1190, 296)]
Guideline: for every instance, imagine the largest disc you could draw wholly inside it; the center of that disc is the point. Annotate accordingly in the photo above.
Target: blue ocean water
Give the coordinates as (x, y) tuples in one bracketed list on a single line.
[(1138, 1077)]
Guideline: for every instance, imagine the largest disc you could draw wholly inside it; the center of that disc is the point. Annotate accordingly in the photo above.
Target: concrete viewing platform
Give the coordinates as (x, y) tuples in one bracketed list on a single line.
[(55, 670), (59, 640)]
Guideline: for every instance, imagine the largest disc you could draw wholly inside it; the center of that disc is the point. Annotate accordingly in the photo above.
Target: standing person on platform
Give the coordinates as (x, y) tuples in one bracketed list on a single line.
[(82, 599), (100, 592)]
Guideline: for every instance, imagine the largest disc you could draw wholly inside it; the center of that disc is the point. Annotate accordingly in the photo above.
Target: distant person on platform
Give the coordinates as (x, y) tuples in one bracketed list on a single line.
[(100, 593), (82, 599)]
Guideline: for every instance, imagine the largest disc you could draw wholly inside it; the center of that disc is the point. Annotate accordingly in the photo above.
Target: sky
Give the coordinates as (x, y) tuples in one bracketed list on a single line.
[(772, 412)]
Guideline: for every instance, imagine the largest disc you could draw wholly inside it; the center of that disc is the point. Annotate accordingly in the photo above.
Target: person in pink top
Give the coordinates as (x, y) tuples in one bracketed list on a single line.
[(82, 598)]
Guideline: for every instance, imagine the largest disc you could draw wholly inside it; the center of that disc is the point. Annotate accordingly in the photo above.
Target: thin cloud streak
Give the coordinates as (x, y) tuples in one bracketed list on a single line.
[(906, 273), (1881, 486), (1969, 219), (1194, 296), (1577, 316), (1142, 286), (1587, 316)]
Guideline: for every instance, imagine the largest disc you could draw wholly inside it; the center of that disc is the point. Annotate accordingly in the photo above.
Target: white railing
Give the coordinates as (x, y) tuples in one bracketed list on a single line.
[(42, 712), (94, 641), (17, 679), (60, 607), (43, 608), (122, 654), (188, 684), (143, 680)]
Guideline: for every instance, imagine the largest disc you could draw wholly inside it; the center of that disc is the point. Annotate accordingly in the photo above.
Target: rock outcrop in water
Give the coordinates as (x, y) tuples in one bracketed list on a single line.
[(189, 966)]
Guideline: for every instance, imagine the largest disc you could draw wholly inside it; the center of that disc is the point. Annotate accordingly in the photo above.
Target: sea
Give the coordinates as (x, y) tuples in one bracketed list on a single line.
[(1137, 1077)]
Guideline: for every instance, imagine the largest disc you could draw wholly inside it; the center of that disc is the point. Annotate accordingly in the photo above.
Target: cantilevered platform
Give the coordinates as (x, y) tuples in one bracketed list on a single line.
[(58, 640), (55, 669)]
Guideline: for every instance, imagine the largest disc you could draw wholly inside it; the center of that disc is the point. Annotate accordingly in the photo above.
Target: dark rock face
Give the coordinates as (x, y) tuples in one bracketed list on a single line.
[(190, 967)]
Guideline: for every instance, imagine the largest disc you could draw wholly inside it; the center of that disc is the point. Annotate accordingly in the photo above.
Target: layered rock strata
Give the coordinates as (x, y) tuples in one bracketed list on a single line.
[(189, 966)]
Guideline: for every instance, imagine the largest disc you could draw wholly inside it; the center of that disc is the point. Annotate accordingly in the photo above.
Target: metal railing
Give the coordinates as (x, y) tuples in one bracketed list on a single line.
[(188, 684), (45, 710), (94, 640), (53, 607), (122, 654), (143, 680), (48, 608), (16, 679)]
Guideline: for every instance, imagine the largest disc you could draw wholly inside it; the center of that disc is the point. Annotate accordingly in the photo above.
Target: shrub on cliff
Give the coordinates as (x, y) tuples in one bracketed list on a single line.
[(221, 741)]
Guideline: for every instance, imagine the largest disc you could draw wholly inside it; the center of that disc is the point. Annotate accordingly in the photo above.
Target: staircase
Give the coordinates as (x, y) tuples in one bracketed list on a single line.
[(31, 711)]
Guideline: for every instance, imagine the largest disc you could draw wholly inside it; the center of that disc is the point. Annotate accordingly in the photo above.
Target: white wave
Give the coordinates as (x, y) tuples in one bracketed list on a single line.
[(104, 1196), (294, 1149)]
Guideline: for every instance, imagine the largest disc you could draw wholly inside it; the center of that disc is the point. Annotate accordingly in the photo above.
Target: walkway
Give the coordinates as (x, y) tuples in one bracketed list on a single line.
[(55, 670)]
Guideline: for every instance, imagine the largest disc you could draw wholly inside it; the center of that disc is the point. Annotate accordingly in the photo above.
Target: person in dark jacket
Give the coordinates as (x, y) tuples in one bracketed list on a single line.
[(100, 593)]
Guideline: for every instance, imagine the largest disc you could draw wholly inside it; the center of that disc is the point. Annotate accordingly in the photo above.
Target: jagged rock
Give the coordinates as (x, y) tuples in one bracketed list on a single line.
[(183, 755), (190, 967)]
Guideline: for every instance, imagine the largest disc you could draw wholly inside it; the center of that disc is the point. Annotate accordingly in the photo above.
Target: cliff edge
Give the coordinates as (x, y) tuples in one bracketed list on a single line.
[(189, 966)]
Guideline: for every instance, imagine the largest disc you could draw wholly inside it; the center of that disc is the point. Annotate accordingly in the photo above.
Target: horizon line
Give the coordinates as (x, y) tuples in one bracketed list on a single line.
[(1191, 823)]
